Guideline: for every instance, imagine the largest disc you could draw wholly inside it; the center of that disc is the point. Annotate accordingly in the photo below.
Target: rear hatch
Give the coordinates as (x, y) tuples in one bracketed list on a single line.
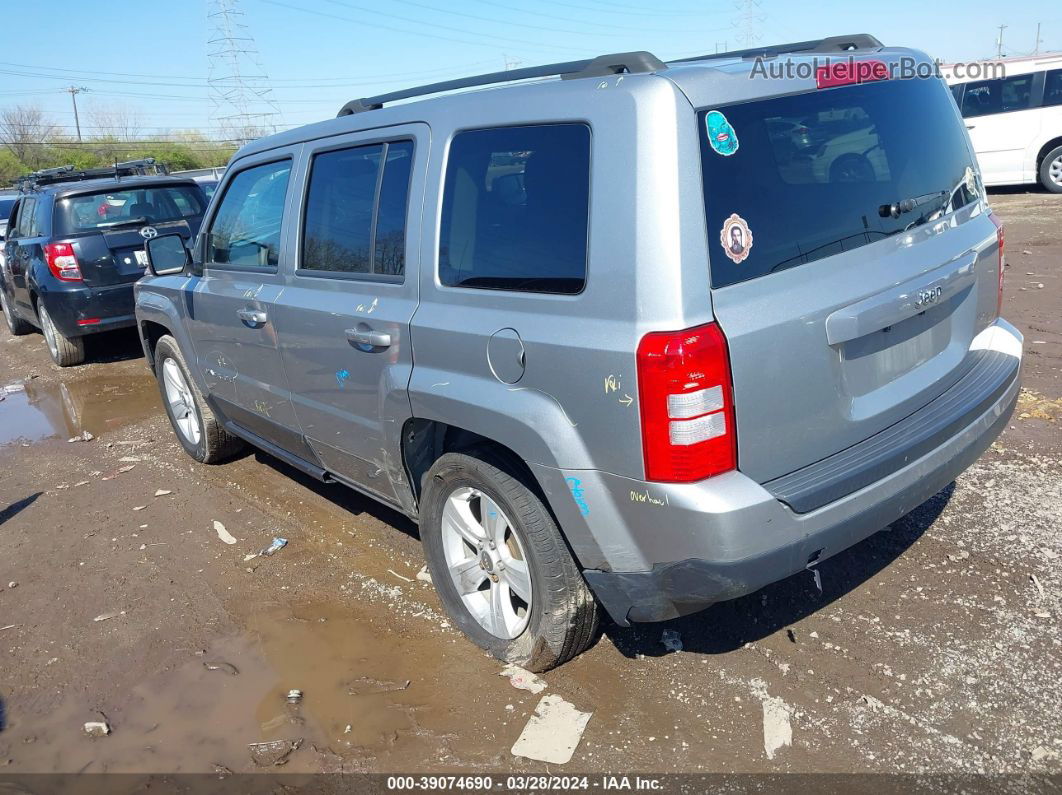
[(852, 262), (108, 228)]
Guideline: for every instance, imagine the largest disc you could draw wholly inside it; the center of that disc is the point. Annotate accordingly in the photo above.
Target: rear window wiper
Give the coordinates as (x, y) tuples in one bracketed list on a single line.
[(904, 206), (123, 222)]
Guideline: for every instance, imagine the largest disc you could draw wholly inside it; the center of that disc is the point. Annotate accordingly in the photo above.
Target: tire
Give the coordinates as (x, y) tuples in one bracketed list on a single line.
[(198, 430), (1051, 170), (65, 351), (16, 325), (562, 619)]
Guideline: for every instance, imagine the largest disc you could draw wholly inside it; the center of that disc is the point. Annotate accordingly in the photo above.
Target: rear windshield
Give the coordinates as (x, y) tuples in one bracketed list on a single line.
[(6, 204), (155, 205), (793, 179)]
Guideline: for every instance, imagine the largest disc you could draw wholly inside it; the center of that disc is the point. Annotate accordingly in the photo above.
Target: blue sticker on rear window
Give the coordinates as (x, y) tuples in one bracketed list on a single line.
[(721, 135)]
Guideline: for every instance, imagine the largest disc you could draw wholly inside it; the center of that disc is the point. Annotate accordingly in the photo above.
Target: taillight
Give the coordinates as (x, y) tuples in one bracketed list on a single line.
[(687, 405), (62, 262), (999, 238)]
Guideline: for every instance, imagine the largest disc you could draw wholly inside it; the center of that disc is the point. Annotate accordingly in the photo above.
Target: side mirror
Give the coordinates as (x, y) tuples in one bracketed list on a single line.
[(167, 255)]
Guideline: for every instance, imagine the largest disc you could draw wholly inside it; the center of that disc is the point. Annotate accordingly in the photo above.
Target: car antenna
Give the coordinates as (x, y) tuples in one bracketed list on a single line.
[(117, 173)]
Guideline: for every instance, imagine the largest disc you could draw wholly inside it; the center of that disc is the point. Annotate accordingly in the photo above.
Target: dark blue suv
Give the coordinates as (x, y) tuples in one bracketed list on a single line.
[(75, 246)]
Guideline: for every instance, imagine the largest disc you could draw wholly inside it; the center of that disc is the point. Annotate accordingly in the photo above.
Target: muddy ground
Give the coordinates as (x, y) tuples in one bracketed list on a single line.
[(934, 646)]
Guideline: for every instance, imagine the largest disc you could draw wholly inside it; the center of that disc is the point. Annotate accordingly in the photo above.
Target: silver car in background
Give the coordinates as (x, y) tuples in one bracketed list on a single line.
[(642, 338)]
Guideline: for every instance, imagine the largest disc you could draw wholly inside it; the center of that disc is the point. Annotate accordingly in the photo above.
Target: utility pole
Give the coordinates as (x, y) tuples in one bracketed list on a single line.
[(74, 91), (999, 42), (1036, 49)]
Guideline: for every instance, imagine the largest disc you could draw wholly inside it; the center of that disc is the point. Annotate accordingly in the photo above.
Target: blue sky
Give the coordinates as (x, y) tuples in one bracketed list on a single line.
[(320, 53)]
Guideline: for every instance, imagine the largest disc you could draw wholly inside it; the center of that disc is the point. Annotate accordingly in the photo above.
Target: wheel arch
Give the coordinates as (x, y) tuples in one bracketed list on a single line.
[(424, 441), (1047, 147)]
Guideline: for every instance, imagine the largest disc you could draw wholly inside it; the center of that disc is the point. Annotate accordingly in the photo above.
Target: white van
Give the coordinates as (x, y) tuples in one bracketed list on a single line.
[(1013, 110)]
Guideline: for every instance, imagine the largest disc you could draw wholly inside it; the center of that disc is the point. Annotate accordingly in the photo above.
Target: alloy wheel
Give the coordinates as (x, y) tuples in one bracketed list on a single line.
[(181, 403), (486, 562)]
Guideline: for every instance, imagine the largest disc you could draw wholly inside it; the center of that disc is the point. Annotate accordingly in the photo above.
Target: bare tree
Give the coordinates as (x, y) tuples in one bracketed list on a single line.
[(115, 121), (24, 129)]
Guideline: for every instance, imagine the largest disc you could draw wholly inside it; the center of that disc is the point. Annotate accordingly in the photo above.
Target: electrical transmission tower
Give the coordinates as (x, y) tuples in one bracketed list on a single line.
[(243, 105), (747, 21)]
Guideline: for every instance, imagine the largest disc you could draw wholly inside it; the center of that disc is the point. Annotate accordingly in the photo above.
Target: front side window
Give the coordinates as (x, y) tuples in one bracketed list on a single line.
[(356, 209), (997, 96), (515, 209), (247, 225)]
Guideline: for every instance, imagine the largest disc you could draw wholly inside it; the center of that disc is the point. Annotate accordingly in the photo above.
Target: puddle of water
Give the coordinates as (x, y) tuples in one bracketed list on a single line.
[(97, 404), (356, 709)]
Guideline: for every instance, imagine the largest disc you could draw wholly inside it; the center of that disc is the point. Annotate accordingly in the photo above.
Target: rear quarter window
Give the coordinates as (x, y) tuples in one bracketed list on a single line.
[(515, 209)]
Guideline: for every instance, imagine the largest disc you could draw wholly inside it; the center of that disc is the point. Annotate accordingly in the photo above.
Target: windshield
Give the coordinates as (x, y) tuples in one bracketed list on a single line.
[(154, 205), (793, 179)]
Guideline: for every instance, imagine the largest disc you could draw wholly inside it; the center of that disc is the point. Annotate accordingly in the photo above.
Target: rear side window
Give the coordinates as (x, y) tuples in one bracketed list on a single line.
[(997, 96), (247, 225), (132, 207), (27, 218), (1053, 87), (515, 209), (356, 205), (794, 179)]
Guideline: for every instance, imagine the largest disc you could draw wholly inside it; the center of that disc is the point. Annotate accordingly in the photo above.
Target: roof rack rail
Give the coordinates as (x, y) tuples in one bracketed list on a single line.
[(831, 44), (603, 65), (48, 176)]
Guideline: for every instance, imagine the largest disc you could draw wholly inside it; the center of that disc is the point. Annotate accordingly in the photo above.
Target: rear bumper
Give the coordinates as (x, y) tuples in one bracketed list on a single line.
[(729, 536), (111, 307)]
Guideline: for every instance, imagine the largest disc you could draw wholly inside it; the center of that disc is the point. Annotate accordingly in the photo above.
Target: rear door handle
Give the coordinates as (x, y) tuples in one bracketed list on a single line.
[(252, 317), (376, 339)]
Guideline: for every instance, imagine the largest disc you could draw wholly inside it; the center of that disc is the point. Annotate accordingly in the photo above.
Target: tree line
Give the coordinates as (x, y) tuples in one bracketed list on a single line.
[(29, 141)]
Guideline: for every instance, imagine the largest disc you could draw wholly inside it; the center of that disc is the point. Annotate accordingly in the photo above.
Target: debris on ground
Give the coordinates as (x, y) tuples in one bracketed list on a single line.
[(366, 684), (109, 616), (221, 665), (223, 534), (274, 752), (277, 545), (523, 679), (671, 640), (424, 575), (12, 388), (163, 492), (399, 576), (139, 507), (553, 732), (12, 584), (875, 704), (777, 730), (84, 436), (294, 696), (9, 626), (97, 728), (1039, 587)]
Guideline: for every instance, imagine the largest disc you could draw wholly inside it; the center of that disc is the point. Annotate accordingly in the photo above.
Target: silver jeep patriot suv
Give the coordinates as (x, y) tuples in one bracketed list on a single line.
[(623, 334)]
